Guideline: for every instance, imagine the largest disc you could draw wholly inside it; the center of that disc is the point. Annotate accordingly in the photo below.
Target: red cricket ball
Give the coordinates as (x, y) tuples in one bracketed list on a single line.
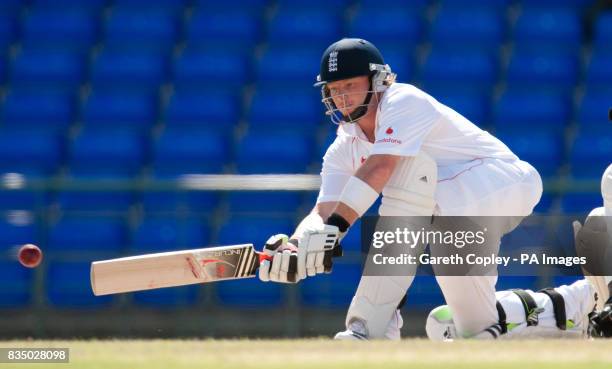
[(30, 256)]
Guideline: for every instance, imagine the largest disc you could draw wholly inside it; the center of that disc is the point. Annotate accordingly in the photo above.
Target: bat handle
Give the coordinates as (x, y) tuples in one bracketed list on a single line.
[(263, 257)]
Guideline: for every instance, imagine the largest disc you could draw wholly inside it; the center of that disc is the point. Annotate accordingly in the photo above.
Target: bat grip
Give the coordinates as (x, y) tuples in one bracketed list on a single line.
[(263, 257)]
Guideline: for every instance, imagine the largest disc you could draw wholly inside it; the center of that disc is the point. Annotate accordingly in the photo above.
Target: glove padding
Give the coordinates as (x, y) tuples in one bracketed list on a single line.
[(315, 250), (281, 266)]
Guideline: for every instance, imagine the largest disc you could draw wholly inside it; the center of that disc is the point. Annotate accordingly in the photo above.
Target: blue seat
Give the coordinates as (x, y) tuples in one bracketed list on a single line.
[(15, 285), (532, 70), (548, 29), (572, 203), (197, 68), (590, 155), (468, 70), (92, 6), (3, 70), (542, 150), (106, 153), (169, 234), (167, 297), (17, 231), (603, 31), (313, 5), (263, 202), (10, 7), (379, 25), (416, 6), (165, 6), (575, 5), (599, 73), (401, 60), (128, 70), (472, 105), (35, 153), (279, 153), (283, 108), (60, 28), (68, 286), (230, 29), (61, 71), (118, 109), (530, 282), (95, 201), (45, 111), (102, 236), (334, 290), (545, 205), (189, 151), (294, 66), (8, 31), (255, 229), (141, 29), (536, 112), (179, 201), (593, 112), (248, 293), (463, 29), (247, 6), (211, 109), (304, 28), (499, 5), (22, 200), (424, 293)]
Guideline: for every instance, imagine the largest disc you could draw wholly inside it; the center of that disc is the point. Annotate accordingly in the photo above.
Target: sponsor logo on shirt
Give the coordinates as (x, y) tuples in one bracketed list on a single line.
[(363, 159), (389, 140), (389, 131)]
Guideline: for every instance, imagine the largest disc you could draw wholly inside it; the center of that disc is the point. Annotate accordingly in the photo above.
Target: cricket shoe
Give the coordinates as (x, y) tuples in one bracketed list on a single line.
[(357, 331), (601, 322)]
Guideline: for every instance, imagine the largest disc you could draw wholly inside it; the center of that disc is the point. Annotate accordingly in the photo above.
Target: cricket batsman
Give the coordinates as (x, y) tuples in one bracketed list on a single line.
[(425, 159)]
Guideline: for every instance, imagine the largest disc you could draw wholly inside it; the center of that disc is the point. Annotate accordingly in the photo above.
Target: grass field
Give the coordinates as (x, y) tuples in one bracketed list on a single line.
[(324, 353)]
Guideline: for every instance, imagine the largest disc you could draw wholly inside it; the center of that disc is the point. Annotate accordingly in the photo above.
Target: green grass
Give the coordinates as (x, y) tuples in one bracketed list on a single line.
[(324, 354)]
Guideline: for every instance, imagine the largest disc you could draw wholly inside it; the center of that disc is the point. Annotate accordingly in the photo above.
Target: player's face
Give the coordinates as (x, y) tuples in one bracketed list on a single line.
[(347, 94)]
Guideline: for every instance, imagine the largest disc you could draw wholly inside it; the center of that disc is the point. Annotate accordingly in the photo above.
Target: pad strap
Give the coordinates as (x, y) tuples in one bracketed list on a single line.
[(558, 306), (529, 305)]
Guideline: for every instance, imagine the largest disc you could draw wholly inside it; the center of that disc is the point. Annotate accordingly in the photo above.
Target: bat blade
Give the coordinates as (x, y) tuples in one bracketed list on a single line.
[(170, 269)]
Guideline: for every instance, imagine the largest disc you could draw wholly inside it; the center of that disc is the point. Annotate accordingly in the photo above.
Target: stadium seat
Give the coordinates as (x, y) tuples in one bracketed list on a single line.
[(472, 105), (102, 236), (476, 71), (401, 60), (91, 6), (593, 112), (603, 31), (304, 28), (276, 108), (17, 230), (531, 70), (61, 71), (167, 297), (416, 6), (580, 203), (542, 150), (255, 229), (95, 201), (179, 201), (44, 111), (264, 202), (387, 25), (590, 155), (191, 151), (228, 30), (128, 70), (211, 109), (8, 31), (247, 6), (15, 285), (60, 28), (548, 29), (162, 234), (424, 293), (106, 153), (283, 152), (575, 5), (68, 286), (517, 110), (599, 73), (479, 29), (288, 66), (334, 290), (163, 6), (214, 69), (22, 199), (10, 6), (141, 29), (297, 6), (120, 110), (33, 153), (545, 205)]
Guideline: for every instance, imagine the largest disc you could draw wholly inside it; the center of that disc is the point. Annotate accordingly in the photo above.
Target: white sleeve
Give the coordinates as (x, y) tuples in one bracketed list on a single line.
[(337, 169), (405, 120)]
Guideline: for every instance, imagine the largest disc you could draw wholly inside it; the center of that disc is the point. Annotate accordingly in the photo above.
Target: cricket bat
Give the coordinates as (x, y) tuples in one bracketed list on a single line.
[(178, 268)]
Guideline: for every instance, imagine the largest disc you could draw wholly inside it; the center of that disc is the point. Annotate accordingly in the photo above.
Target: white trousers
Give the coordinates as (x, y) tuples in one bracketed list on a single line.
[(482, 187)]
